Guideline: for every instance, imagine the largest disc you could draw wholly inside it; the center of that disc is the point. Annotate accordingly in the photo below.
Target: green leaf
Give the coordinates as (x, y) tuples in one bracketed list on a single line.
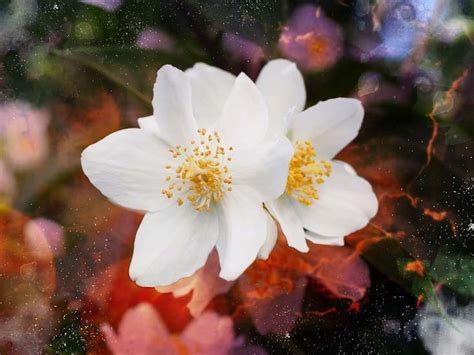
[(455, 270), (456, 135), (389, 257), (131, 69)]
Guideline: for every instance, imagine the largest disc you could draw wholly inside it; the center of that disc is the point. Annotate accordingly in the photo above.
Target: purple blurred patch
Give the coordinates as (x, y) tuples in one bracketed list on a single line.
[(242, 49), (107, 5), (151, 38), (311, 39)]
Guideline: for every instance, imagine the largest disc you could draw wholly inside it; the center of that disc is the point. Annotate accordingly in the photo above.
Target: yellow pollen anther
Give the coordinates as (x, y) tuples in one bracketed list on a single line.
[(202, 176), (305, 173)]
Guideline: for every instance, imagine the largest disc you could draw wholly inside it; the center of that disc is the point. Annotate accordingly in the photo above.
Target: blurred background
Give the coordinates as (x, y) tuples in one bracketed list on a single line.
[(72, 72)]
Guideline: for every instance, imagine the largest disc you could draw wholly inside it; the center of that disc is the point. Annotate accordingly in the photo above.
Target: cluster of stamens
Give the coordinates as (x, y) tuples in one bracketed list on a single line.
[(306, 173), (201, 176)]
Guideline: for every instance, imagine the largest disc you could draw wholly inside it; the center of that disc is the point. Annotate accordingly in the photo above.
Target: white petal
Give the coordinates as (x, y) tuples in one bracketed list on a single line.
[(346, 204), (243, 229), (264, 169), (291, 225), (172, 106), (321, 239), (148, 124), (172, 244), (244, 120), (282, 87), (331, 125), (211, 87), (270, 240), (128, 166)]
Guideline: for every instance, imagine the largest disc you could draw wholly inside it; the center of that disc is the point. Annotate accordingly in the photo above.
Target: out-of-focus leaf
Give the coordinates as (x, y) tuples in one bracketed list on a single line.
[(383, 255), (456, 135), (120, 76), (388, 256), (454, 270), (132, 69)]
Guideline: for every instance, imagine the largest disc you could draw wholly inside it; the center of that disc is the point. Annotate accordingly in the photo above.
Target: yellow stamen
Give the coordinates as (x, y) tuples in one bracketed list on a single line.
[(202, 170), (305, 173)]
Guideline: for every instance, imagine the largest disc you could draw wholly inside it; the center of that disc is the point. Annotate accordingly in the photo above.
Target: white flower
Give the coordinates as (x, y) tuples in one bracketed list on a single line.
[(201, 168), (325, 200)]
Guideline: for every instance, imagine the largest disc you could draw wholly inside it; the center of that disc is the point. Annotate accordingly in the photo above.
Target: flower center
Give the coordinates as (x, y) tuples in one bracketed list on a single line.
[(201, 174), (318, 46), (305, 173)]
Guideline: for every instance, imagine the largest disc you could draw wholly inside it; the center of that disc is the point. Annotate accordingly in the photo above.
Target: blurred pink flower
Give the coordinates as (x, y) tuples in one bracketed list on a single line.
[(142, 331), (311, 39), (44, 238), (23, 134), (151, 38), (7, 184), (107, 5)]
